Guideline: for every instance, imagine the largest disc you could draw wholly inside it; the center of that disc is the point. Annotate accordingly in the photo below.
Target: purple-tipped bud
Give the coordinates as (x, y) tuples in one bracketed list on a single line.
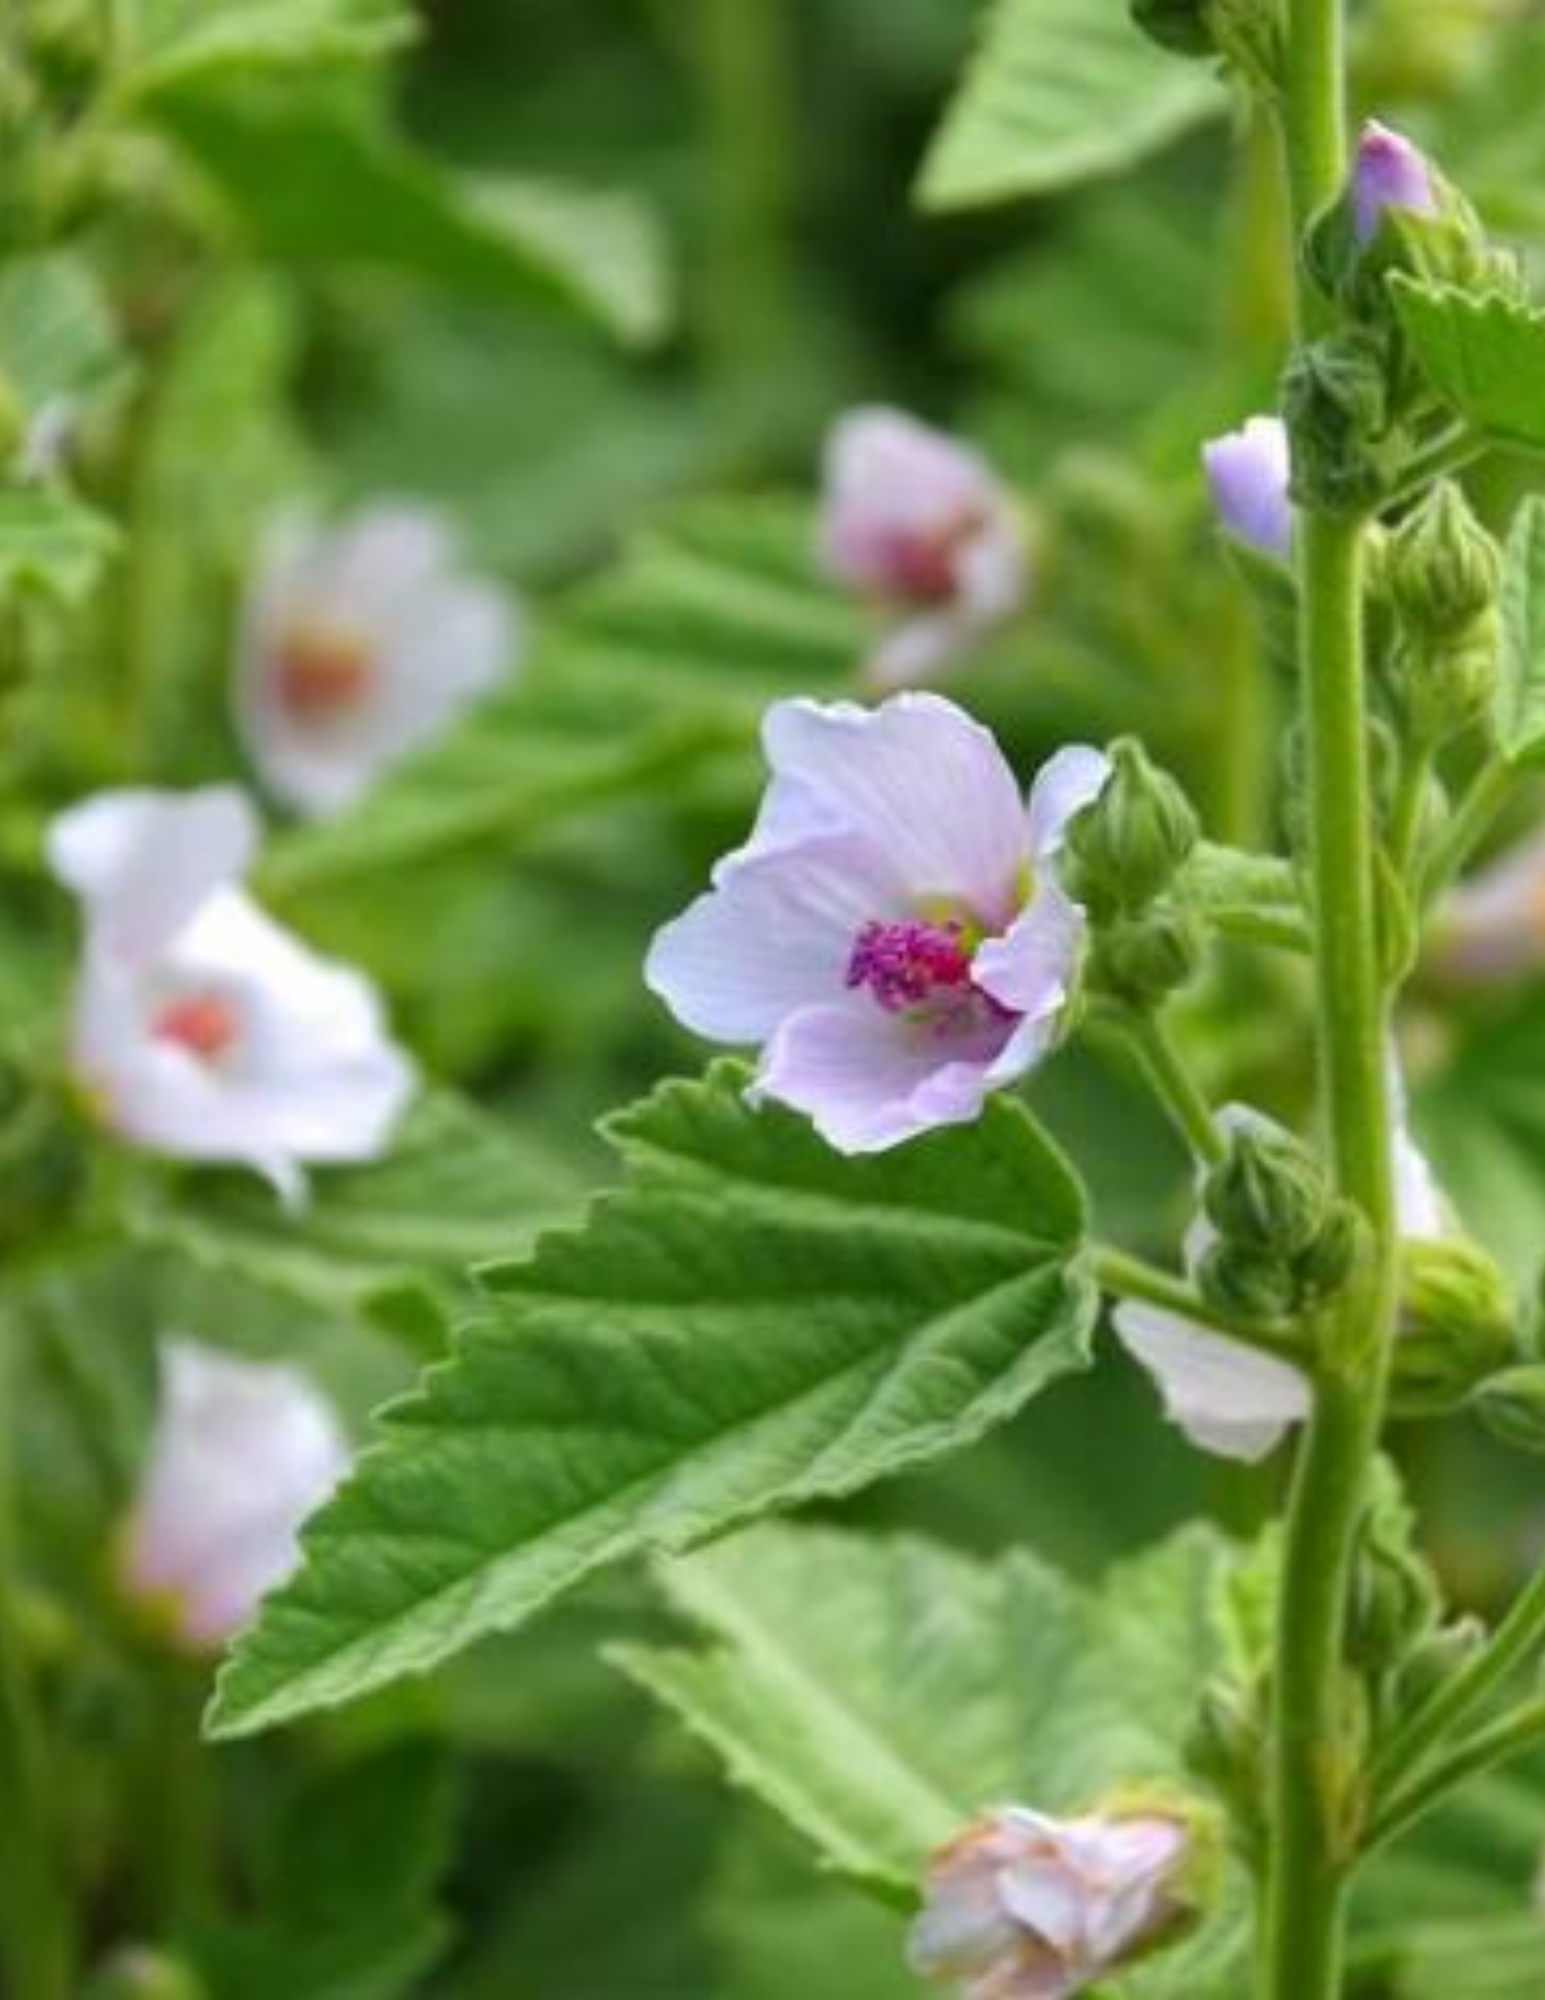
[(1390, 173), (1249, 471)]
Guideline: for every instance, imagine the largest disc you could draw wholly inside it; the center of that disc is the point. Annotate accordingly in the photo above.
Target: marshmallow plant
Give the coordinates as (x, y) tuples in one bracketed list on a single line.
[(202, 1029), (361, 641)]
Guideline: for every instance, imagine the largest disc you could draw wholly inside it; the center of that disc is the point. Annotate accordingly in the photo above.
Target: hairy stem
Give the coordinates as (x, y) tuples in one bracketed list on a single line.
[(1312, 1835), (1169, 1075)]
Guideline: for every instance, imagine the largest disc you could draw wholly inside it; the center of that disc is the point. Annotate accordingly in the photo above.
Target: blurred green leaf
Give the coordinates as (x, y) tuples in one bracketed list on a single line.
[(178, 42), (1484, 356), (882, 1694), (57, 337), (1058, 92), (751, 1321), (317, 179), (52, 546), (457, 1187), (1520, 705)]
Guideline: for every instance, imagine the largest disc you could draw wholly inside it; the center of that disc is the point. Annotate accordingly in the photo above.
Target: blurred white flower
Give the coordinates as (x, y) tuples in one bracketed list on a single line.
[(1026, 1907), (359, 643), (201, 1028), (917, 521), (241, 1453)]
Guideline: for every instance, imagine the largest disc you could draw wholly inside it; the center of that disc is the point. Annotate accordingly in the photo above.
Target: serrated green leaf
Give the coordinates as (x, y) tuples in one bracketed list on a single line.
[(458, 1186), (1520, 703), (318, 180), (1058, 92), (881, 1694), (177, 42), (1484, 356), (52, 546), (751, 1321)]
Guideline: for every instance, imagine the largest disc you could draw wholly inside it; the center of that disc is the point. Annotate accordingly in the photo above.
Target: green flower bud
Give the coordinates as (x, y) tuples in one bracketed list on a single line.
[(1178, 25), (1269, 1194), (1512, 1406), (1335, 400), (1435, 1660), (1325, 1268), (1395, 1597), (1140, 961), (1444, 570), (1246, 1284), (1126, 848), (1458, 1325)]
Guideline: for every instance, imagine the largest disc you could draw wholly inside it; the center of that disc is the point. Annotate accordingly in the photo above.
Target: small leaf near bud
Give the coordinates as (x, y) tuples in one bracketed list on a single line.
[(1126, 847), (1458, 1325), (1512, 1406)]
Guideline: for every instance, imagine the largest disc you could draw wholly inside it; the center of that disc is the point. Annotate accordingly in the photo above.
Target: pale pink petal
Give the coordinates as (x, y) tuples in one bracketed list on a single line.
[(927, 785), (1250, 474), (919, 649), (887, 474), (1032, 968), (1064, 785), (1390, 173), (143, 861), (1228, 1398)]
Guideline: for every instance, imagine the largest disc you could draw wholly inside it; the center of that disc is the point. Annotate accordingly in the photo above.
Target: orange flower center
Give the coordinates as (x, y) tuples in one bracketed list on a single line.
[(320, 674), (204, 1024)]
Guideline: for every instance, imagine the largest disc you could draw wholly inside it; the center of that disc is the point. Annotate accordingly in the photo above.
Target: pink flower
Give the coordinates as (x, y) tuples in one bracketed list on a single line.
[(918, 522), (1493, 926), (201, 1029), (1232, 1399), (242, 1452), (359, 644), (1248, 471), (893, 934), (1026, 1907), (1389, 173)]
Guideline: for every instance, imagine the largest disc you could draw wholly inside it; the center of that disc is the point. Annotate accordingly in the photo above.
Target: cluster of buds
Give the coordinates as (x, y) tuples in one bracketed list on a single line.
[(1282, 1241), (1024, 1906), (1124, 858), (1442, 576)]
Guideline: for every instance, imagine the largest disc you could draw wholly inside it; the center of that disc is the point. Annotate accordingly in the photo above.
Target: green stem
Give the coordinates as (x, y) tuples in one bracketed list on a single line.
[(1508, 1737), (1458, 1700), (1312, 1830), (1176, 1088), (1468, 825), (35, 1943), (1124, 1276)]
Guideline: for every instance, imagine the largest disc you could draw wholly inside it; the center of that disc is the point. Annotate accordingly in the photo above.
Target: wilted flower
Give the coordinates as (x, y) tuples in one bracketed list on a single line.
[(1226, 1396), (242, 1452), (1390, 173), (360, 643), (893, 933), (1026, 1907), (1249, 472), (1492, 927), (917, 521), (201, 1029)]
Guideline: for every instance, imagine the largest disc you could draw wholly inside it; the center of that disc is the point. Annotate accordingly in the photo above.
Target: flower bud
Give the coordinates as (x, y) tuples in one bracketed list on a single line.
[(1249, 473), (1127, 846), (1246, 1284), (1023, 1902), (1269, 1193), (1326, 1266), (1140, 961), (1395, 1598), (1458, 1324), (1444, 570), (1389, 173), (1435, 1660), (1336, 402), (1512, 1406)]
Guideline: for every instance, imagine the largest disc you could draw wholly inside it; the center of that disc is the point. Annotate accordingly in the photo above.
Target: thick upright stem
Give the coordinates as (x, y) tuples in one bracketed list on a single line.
[(1312, 1791)]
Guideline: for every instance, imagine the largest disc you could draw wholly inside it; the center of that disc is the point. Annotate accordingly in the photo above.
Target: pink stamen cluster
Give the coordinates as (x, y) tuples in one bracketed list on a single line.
[(205, 1024), (908, 965)]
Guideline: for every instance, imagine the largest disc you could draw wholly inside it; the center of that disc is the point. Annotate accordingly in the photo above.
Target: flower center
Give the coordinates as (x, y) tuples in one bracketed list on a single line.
[(921, 970), (921, 565), (206, 1024), (321, 673)]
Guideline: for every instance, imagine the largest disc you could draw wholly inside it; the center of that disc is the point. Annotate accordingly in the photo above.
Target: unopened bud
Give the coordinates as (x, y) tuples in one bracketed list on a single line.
[(1325, 1268), (1395, 1597), (1246, 1284), (1140, 961), (1436, 1659), (1512, 1406), (1268, 1194), (1127, 846), (1336, 403), (1249, 474), (1444, 570), (1458, 1325)]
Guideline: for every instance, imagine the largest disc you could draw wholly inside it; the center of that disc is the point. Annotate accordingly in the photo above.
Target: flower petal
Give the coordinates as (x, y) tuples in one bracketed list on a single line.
[(925, 783), (1064, 785), (1228, 1398), (1032, 967)]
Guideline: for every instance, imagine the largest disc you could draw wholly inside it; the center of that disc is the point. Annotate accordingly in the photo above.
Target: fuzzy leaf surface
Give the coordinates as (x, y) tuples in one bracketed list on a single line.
[(1485, 356), (1520, 709), (749, 1322)]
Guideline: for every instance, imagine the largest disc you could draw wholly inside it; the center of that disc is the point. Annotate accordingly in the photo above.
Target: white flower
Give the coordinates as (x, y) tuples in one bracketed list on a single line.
[(918, 522), (242, 1452), (201, 1029), (1026, 1907), (1230, 1398), (360, 643)]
